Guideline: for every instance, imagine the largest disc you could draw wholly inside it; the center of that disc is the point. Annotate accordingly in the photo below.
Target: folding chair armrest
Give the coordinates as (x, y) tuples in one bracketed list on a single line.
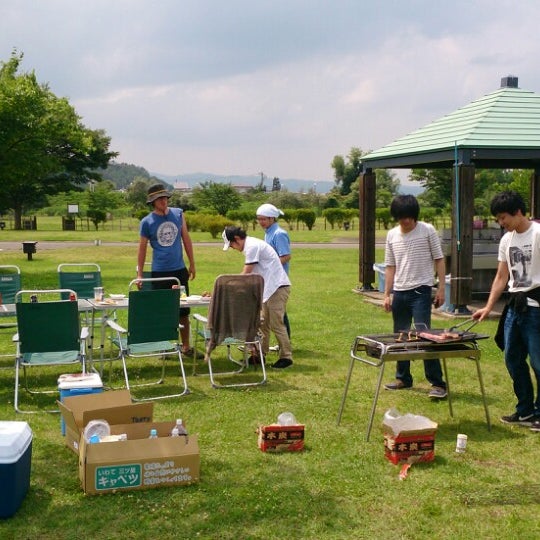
[(115, 326), (200, 318)]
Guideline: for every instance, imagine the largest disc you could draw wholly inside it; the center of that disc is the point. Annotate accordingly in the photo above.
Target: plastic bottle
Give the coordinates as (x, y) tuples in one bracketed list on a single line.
[(153, 434), (179, 429)]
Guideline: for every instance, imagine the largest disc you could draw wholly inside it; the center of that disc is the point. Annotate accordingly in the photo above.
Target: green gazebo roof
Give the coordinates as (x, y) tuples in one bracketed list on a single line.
[(499, 130)]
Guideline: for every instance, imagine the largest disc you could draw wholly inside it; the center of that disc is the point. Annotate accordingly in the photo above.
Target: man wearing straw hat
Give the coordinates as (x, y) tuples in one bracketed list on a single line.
[(166, 230)]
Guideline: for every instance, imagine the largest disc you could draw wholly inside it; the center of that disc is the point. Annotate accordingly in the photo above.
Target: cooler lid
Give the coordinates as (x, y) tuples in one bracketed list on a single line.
[(14, 440), (79, 380)]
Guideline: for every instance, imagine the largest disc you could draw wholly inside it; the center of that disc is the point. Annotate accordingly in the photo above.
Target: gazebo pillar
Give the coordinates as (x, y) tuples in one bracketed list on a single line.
[(535, 194), (367, 202), (462, 238)]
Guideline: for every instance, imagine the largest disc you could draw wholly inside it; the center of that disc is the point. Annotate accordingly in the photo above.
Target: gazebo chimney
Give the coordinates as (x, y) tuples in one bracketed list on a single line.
[(511, 81)]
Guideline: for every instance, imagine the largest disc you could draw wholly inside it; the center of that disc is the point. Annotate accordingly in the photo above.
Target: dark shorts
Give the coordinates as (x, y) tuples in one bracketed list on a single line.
[(182, 275)]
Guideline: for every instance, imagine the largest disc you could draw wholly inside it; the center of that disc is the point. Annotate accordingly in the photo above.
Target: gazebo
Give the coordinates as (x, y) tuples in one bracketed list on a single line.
[(498, 131)]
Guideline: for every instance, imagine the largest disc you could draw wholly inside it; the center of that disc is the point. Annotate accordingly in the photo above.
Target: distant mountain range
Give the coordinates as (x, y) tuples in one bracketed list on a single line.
[(294, 185)]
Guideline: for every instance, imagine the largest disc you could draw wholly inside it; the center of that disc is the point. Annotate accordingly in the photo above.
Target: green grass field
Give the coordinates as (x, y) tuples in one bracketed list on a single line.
[(341, 486)]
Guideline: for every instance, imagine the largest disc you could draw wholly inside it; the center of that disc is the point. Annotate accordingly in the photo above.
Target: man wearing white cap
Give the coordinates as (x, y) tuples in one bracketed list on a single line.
[(278, 238), (261, 259)]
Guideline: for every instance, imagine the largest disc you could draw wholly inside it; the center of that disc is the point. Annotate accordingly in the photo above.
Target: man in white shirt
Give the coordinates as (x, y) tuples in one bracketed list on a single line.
[(261, 258), (519, 268)]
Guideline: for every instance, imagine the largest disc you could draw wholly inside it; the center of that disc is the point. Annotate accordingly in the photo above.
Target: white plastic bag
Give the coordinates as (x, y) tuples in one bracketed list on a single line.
[(406, 422)]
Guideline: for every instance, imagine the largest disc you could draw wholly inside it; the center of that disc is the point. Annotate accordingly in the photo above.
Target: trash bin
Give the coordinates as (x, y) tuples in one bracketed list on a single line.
[(380, 270), (29, 247)]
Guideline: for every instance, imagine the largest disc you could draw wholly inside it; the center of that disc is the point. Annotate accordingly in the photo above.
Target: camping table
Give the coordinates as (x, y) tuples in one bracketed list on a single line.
[(9, 310), (377, 350)]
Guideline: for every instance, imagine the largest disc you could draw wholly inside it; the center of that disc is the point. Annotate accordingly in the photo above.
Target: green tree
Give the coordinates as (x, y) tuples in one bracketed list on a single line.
[(307, 217), (437, 184), (102, 199), (218, 197), (44, 147), (136, 193), (347, 171)]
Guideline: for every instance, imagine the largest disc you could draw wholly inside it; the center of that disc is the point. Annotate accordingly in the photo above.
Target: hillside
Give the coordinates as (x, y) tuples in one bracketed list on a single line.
[(122, 174)]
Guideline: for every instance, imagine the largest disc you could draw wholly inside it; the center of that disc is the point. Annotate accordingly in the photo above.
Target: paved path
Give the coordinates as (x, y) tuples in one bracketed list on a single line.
[(17, 246)]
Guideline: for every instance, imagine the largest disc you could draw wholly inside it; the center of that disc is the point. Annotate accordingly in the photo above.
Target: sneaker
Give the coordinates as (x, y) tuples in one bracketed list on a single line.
[(282, 363), (517, 420), (437, 392), (274, 348), (535, 426), (397, 385)]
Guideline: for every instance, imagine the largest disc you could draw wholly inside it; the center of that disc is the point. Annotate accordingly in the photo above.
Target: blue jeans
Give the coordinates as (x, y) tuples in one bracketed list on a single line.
[(408, 306), (521, 338)]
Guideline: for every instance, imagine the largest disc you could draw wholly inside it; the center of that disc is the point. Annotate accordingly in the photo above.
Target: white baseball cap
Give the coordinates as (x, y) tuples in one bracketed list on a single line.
[(226, 242)]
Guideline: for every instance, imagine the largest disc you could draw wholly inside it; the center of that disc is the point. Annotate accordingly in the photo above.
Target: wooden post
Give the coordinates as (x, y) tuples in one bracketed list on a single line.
[(462, 238), (535, 195), (366, 227)]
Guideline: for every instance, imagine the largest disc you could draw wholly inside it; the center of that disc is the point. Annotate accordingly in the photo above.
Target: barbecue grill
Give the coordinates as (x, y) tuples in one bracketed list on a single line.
[(378, 349)]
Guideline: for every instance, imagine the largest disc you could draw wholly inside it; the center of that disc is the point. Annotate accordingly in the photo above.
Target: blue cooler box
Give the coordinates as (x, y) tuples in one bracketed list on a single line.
[(78, 384), (15, 462)]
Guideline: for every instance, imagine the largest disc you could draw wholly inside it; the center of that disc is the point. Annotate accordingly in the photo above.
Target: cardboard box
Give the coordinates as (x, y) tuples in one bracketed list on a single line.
[(409, 446), (114, 406), (139, 462), (15, 464), (277, 438)]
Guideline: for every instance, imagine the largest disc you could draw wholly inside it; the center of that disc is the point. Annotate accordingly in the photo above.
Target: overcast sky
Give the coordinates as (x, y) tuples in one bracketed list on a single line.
[(248, 86)]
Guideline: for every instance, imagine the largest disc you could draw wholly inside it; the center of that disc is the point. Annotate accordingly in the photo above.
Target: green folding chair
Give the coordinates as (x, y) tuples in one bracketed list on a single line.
[(80, 277), (10, 285), (147, 274), (49, 334), (152, 332)]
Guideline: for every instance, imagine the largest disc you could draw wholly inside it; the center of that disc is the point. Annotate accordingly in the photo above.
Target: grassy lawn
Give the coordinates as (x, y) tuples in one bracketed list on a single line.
[(340, 487)]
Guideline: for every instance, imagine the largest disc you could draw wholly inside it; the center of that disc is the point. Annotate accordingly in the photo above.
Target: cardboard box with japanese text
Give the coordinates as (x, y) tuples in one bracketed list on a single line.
[(139, 462), (114, 406), (409, 438), (278, 438)]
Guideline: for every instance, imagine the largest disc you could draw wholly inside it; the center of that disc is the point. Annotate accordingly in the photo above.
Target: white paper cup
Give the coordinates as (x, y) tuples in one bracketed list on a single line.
[(98, 294)]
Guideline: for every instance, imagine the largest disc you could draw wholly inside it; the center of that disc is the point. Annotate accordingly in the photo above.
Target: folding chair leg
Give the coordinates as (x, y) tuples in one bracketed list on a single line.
[(243, 366), (185, 390)]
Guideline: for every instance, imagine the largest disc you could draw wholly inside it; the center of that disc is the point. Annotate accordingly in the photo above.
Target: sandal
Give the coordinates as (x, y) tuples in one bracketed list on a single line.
[(189, 352)]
